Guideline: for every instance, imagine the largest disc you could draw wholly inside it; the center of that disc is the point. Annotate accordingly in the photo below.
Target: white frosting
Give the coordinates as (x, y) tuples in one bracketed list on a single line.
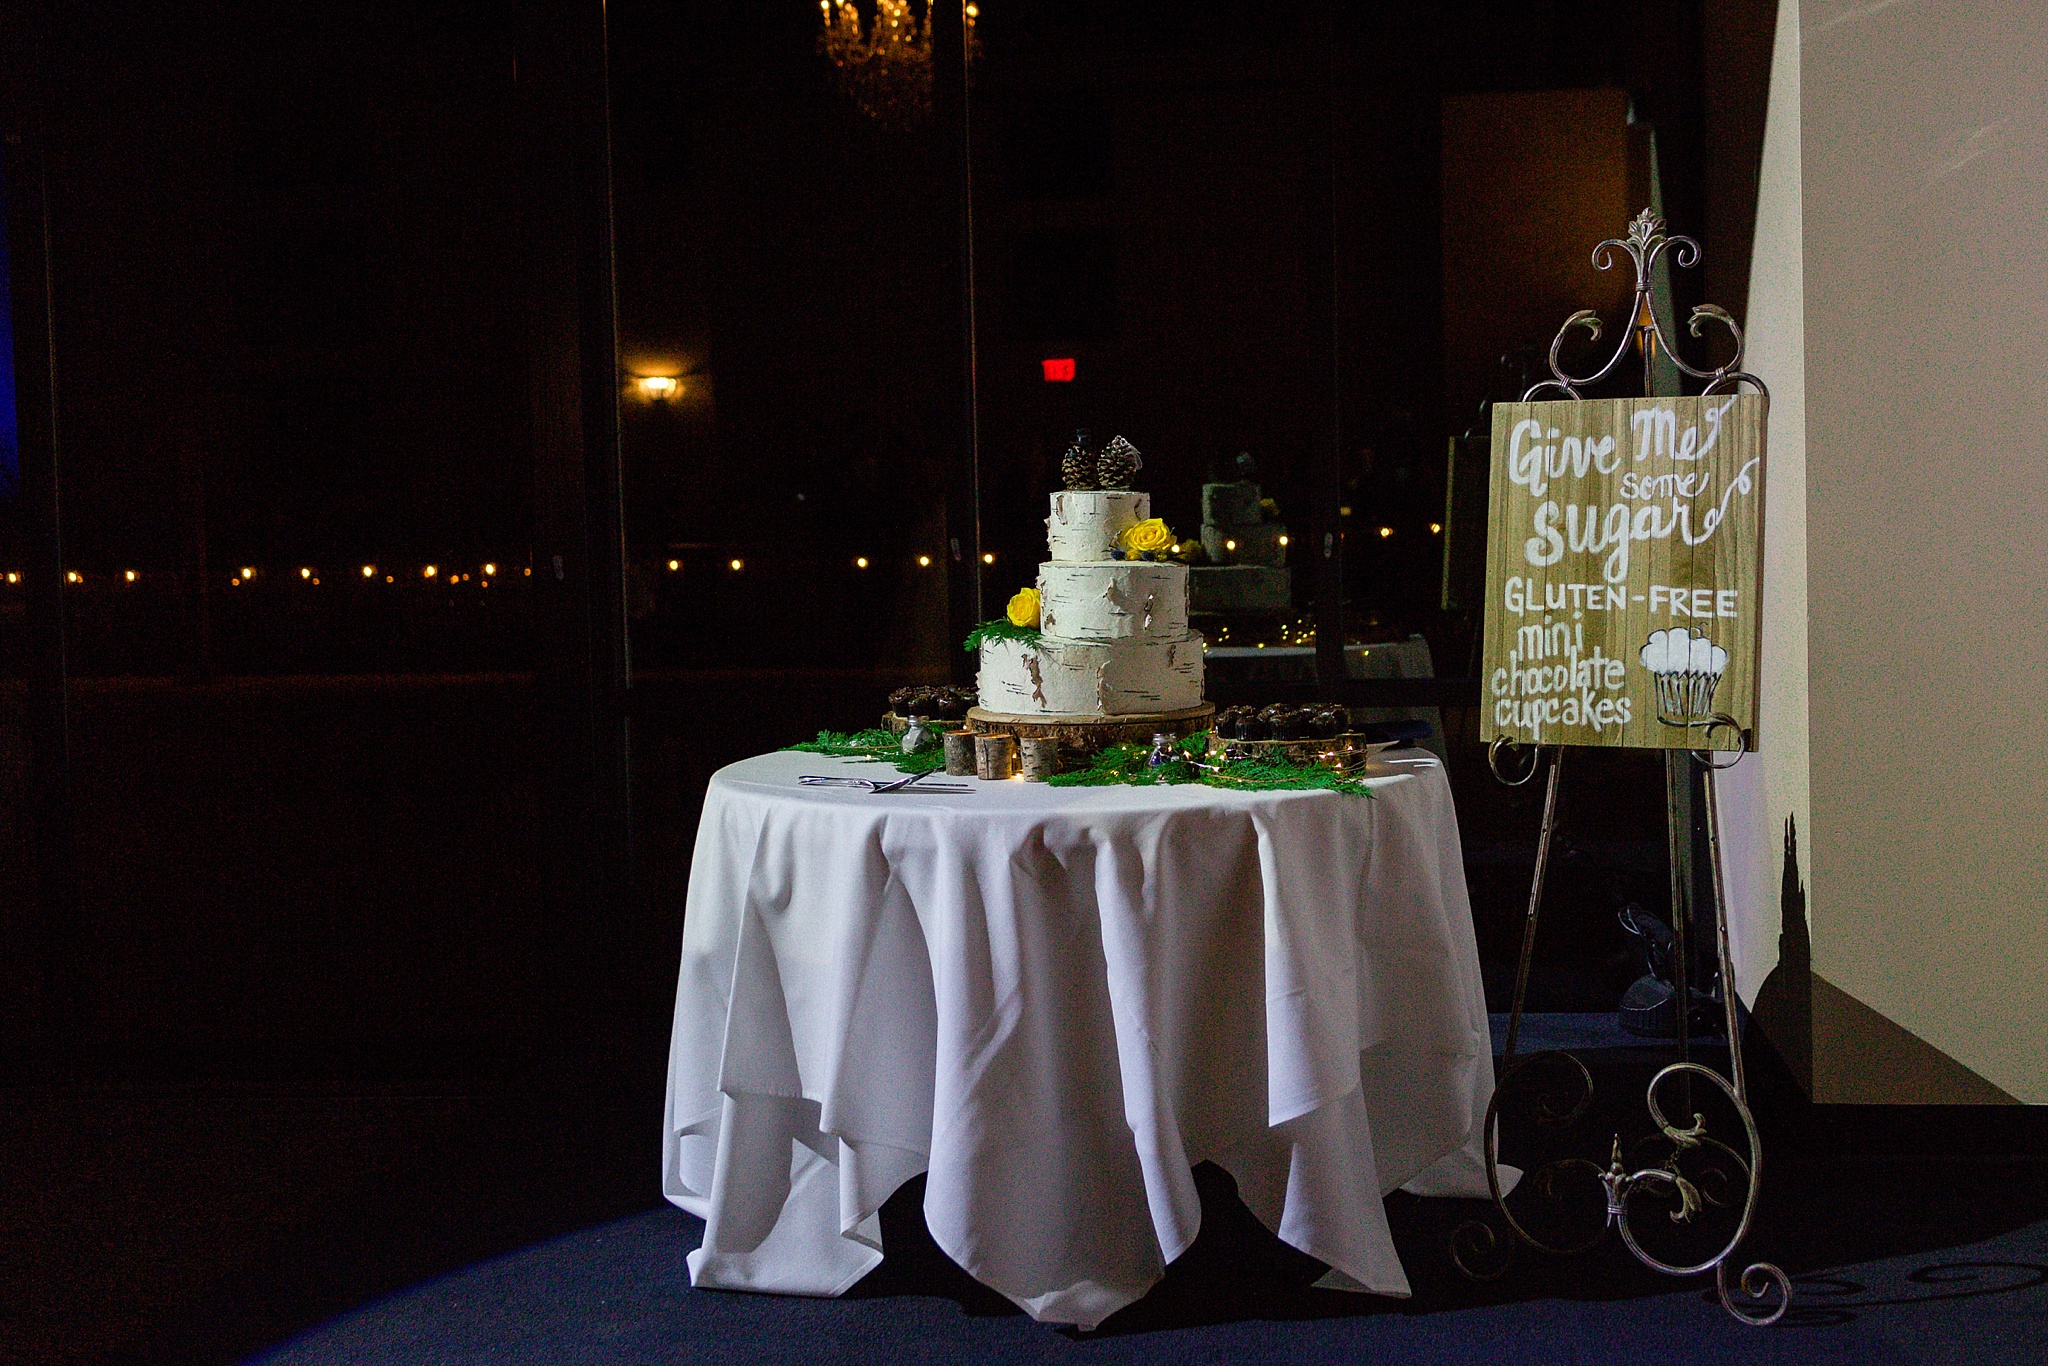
[(1113, 600), (1114, 633), (1084, 526), (1057, 678)]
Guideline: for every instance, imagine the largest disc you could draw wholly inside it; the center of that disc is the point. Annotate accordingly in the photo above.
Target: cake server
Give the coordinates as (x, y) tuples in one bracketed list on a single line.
[(899, 785)]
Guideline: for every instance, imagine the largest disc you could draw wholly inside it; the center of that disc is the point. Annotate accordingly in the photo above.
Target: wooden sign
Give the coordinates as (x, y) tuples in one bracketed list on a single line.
[(1623, 562)]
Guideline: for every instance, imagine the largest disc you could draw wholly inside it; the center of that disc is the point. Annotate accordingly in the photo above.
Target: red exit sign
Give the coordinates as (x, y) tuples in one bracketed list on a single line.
[(1060, 371)]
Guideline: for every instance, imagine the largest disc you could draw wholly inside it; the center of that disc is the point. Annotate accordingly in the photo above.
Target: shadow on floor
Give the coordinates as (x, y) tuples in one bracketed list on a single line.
[(1839, 1190), (199, 1229)]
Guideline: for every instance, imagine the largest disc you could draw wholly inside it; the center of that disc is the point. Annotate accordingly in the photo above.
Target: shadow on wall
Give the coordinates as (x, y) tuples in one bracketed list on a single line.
[(1841, 1050), (1784, 1003)]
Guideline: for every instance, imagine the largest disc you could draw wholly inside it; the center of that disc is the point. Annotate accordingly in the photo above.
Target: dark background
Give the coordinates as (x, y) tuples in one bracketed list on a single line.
[(345, 844)]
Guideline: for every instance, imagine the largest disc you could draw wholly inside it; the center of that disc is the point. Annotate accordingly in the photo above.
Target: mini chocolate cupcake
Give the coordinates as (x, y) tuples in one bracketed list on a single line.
[(1287, 723), (953, 706)]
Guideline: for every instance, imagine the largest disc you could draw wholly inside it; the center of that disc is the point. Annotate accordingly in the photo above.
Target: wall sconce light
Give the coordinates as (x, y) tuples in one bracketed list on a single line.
[(657, 388)]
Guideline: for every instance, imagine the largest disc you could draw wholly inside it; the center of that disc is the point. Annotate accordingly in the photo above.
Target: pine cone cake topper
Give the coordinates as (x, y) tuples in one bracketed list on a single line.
[(1118, 462), (1077, 466)]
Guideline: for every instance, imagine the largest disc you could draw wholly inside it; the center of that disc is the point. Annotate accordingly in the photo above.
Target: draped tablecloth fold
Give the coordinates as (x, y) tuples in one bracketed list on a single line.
[(1055, 1001)]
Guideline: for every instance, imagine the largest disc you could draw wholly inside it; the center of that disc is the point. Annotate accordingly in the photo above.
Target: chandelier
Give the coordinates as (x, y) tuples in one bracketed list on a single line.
[(887, 71)]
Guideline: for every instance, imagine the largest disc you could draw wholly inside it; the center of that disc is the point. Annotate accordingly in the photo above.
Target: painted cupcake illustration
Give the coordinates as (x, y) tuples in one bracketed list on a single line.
[(1687, 668)]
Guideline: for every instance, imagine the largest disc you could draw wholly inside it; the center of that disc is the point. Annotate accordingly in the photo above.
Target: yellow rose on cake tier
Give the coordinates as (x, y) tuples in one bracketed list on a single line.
[(1150, 536), (1024, 609)]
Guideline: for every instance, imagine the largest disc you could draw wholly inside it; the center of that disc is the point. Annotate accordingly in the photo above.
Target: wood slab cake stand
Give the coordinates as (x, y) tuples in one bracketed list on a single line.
[(1094, 732)]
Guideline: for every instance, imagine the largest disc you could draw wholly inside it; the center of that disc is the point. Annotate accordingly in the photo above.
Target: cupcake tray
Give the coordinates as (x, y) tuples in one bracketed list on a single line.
[(1345, 752)]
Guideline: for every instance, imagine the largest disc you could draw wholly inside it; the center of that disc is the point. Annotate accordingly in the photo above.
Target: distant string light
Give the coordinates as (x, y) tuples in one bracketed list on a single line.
[(245, 574), (1436, 528), (1386, 531), (1283, 540)]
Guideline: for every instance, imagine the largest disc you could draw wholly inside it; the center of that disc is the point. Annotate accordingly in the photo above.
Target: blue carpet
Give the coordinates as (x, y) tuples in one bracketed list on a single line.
[(620, 1294), (1908, 1245), (1566, 1030)]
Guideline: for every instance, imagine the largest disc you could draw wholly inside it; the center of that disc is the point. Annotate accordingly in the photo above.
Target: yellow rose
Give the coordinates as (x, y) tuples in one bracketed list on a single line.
[(1024, 609), (1150, 535)]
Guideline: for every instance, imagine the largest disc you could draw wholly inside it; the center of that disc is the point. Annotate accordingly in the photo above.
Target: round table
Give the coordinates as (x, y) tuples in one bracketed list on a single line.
[(1055, 1001)]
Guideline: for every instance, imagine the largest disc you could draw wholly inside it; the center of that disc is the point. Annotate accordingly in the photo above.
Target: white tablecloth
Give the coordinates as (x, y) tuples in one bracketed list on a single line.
[(1056, 1000)]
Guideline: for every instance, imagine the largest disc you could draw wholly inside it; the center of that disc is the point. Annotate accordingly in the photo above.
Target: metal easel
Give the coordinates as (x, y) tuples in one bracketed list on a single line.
[(1645, 244)]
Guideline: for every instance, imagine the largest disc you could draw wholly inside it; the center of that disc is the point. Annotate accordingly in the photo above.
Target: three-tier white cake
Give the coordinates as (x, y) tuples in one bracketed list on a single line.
[(1114, 638)]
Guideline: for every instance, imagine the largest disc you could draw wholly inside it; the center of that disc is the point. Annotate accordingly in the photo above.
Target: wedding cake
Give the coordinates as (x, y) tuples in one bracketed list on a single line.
[(1245, 543), (1112, 635)]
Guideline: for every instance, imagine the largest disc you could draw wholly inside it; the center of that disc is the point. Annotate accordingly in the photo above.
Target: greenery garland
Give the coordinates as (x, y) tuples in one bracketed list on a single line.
[(1002, 628), (879, 746), (1127, 765), (1131, 765)]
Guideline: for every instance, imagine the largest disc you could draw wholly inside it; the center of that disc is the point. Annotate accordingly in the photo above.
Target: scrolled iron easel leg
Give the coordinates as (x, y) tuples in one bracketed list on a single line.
[(1535, 898), (1758, 1278), (1475, 1238)]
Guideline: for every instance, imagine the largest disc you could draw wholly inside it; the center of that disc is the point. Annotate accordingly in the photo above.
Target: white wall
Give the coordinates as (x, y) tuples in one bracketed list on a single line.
[(1921, 271), (1761, 791)]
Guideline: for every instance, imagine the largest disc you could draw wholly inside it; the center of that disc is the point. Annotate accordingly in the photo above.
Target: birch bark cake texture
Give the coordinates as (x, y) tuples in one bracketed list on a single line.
[(1113, 632), (1623, 569)]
